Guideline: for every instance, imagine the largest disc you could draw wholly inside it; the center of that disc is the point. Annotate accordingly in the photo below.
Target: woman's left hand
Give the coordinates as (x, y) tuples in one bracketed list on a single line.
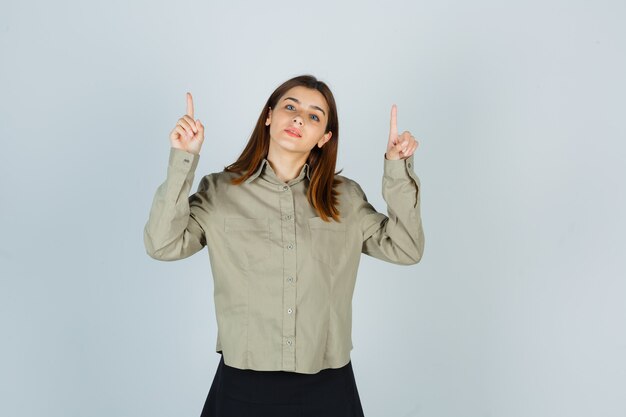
[(402, 146)]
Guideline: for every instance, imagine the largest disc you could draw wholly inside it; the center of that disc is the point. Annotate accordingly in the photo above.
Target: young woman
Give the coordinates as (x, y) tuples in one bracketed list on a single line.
[(284, 234)]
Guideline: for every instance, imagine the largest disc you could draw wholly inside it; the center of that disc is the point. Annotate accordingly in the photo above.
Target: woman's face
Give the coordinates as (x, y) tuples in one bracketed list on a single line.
[(298, 120)]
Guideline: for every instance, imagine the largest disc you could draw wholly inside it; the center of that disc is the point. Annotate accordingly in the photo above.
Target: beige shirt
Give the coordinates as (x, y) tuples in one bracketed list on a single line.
[(283, 278)]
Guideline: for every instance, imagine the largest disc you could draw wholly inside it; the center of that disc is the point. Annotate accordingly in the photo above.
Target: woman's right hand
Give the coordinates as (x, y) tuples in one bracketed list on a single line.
[(188, 134)]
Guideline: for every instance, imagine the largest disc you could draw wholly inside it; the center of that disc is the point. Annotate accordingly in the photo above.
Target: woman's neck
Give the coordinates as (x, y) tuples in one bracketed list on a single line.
[(286, 165)]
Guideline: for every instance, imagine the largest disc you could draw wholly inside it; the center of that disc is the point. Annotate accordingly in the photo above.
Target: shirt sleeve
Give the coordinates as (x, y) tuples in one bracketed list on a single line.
[(399, 237), (173, 231)]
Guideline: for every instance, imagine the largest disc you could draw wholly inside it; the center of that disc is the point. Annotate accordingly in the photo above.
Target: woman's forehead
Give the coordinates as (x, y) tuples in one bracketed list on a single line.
[(306, 96)]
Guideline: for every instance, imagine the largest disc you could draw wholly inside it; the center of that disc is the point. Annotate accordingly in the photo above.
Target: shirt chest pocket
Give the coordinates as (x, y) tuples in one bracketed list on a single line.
[(328, 240), (248, 239)]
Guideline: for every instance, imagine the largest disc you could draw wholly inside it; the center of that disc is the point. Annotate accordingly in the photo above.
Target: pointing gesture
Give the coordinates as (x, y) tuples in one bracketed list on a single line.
[(188, 134), (399, 147), (189, 105)]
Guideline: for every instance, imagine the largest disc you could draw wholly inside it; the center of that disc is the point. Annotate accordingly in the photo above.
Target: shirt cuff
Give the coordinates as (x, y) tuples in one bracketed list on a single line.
[(181, 160), (398, 168)]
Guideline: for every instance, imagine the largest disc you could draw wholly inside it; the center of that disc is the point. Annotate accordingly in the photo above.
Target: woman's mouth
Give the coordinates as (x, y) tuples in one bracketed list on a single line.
[(291, 133)]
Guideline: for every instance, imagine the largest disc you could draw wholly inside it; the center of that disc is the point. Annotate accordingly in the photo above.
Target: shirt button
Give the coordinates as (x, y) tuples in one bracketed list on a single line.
[(289, 342), (290, 279), (289, 311), (285, 187), (288, 217), (409, 164), (290, 246)]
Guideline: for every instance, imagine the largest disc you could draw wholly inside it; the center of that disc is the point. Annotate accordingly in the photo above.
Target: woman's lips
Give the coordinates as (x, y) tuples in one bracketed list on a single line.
[(290, 133)]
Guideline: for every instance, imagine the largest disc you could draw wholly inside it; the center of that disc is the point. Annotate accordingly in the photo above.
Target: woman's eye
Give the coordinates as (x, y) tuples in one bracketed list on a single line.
[(290, 107)]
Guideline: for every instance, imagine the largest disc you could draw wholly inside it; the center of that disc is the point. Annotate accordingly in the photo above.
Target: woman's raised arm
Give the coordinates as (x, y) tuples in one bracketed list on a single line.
[(173, 230), (399, 237)]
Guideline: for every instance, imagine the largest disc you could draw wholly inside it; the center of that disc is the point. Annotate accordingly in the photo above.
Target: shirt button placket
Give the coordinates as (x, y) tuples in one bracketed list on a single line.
[(288, 229)]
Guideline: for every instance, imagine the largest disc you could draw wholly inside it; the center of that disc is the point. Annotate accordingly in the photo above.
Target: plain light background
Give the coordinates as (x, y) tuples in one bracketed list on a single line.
[(518, 306)]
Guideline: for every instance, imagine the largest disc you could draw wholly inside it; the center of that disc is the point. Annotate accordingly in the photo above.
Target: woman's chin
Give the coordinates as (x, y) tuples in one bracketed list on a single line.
[(288, 146)]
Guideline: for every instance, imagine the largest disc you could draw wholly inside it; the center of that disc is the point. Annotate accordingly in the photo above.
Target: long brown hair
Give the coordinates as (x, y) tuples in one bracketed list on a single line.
[(321, 192)]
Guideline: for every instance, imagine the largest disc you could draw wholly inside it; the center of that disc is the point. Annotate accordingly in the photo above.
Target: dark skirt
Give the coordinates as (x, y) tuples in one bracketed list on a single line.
[(248, 393)]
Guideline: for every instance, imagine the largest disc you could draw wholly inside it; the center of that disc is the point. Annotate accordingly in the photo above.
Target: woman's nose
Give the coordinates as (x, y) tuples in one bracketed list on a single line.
[(298, 119)]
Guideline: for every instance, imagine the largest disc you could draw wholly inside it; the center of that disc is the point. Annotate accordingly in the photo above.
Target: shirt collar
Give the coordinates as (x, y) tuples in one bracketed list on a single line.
[(270, 174)]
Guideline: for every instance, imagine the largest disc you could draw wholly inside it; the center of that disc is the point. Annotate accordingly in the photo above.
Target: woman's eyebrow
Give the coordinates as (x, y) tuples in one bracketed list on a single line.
[(297, 101)]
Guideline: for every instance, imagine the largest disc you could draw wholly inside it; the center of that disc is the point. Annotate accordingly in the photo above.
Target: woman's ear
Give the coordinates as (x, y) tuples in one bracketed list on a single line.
[(269, 117), (324, 139)]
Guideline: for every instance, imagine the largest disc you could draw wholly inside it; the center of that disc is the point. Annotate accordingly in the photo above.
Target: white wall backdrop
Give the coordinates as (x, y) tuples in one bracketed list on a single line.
[(517, 308)]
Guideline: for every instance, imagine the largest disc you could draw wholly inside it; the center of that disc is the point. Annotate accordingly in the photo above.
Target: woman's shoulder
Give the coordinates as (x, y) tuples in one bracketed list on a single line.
[(349, 187), (217, 180), (352, 188), (347, 182)]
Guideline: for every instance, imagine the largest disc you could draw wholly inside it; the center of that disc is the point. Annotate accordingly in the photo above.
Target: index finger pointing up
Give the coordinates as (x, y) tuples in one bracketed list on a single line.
[(189, 105), (393, 129)]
